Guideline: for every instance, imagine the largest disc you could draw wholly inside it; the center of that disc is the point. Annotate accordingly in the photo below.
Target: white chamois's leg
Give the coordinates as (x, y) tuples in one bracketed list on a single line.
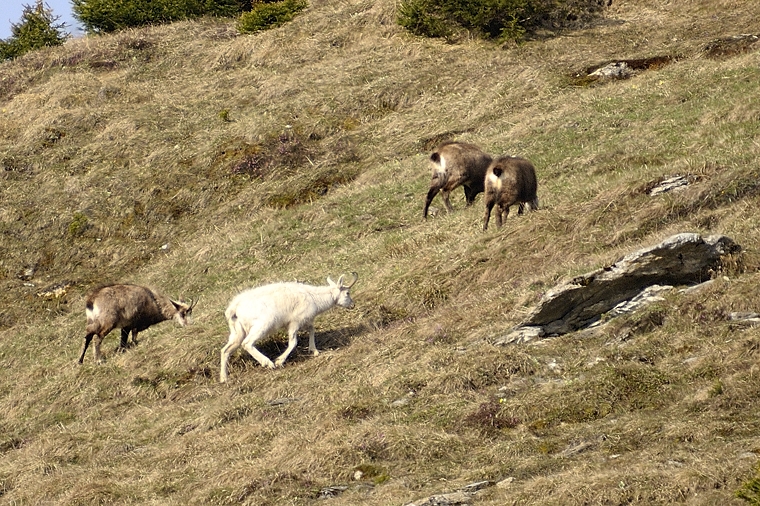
[(260, 357), (292, 341), (256, 332), (233, 343), (312, 345)]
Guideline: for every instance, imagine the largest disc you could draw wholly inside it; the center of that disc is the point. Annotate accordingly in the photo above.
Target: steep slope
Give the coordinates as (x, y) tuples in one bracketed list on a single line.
[(202, 162)]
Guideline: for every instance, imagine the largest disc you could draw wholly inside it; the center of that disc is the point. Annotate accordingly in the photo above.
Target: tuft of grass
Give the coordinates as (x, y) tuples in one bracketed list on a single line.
[(750, 489), (78, 224)]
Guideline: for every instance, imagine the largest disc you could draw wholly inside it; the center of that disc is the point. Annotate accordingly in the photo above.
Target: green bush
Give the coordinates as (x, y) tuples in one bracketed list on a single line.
[(37, 28), (269, 15), (493, 19), (102, 16)]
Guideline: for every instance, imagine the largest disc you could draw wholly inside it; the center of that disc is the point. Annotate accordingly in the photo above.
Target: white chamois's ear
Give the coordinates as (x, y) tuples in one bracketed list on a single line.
[(340, 281), (330, 281)]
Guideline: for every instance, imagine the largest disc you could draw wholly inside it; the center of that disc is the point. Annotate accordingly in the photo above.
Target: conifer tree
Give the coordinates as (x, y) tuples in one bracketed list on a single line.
[(37, 28)]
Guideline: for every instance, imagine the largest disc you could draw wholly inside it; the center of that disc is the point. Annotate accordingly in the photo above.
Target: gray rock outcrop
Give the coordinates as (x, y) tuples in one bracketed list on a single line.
[(683, 259)]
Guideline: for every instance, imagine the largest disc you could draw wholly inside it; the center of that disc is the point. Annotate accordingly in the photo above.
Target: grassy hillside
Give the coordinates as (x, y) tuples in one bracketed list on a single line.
[(201, 162)]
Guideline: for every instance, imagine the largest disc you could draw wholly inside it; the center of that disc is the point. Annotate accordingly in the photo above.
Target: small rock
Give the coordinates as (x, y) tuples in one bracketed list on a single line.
[(505, 483), (453, 499), (671, 183), (398, 403), (521, 335), (27, 274), (474, 487), (614, 70), (332, 491), (745, 318), (697, 288)]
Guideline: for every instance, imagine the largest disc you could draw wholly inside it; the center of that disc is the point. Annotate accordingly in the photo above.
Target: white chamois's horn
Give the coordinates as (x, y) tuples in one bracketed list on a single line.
[(355, 276)]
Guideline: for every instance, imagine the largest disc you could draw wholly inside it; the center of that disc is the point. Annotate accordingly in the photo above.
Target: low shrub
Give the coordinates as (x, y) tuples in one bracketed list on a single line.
[(269, 15), (493, 19), (103, 16)]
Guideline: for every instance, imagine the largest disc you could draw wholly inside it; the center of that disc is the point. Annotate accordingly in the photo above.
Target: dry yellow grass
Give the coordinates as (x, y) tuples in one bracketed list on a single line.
[(202, 162)]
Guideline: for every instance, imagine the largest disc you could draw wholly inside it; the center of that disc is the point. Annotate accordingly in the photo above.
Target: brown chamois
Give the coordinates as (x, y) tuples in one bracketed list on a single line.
[(456, 164), (509, 180), (131, 308)]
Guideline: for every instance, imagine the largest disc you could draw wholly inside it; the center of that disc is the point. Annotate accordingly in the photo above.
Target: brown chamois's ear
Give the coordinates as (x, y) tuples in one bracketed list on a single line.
[(180, 305)]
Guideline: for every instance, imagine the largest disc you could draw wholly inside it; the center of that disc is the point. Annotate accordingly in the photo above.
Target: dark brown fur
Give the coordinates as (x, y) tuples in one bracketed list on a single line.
[(465, 165), (132, 308), (509, 180)]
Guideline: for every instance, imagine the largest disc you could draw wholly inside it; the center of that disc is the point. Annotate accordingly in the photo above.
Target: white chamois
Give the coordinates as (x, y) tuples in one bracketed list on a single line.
[(258, 312)]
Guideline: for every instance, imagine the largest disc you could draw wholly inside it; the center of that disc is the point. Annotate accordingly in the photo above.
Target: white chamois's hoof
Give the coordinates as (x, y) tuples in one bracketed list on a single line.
[(315, 352)]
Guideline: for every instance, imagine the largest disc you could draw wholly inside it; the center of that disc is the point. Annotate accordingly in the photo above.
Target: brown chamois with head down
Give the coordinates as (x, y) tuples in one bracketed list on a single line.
[(456, 164), (132, 308), (509, 180)]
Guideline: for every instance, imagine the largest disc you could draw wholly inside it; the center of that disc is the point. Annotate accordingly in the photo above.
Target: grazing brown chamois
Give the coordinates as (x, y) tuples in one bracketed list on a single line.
[(132, 308)]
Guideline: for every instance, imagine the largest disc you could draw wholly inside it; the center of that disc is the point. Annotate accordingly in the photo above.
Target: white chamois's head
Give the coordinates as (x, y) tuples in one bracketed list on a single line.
[(344, 295), (184, 311)]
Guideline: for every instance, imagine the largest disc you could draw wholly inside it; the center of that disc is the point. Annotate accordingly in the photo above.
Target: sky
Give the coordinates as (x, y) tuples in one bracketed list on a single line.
[(10, 13)]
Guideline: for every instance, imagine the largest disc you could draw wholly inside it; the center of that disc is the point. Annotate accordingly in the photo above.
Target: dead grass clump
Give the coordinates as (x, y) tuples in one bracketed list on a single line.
[(282, 154), (727, 47), (490, 418), (624, 388), (297, 167)]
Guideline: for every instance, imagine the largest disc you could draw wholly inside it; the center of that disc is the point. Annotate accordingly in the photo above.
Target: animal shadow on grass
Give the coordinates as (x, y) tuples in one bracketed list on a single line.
[(273, 346)]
